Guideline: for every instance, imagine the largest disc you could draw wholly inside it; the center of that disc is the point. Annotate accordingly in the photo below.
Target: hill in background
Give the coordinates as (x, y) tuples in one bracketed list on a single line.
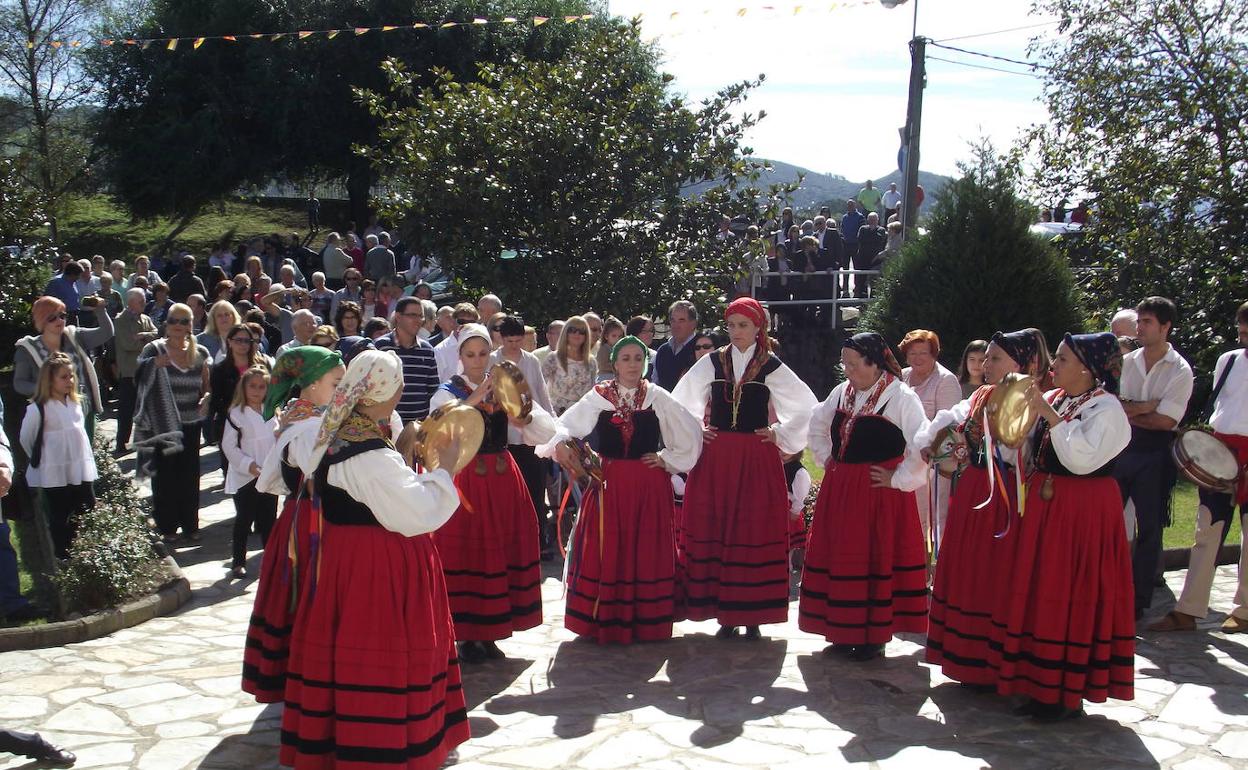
[(829, 189)]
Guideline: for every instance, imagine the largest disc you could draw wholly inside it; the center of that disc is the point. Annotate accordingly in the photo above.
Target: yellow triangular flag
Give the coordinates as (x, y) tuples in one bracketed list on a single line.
[(173, 45), (387, 29), (75, 43), (570, 19), (450, 24), (480, 20), (741, 11), (420, 25), (54, 43), (277, 37), (540, 20), (509, 19), (797, 9), (198, 42), (333, 33)]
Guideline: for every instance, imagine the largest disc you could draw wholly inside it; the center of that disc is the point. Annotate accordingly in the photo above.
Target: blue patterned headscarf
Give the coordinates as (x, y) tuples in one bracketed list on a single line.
[(1100, 353), (351, 346), (875, 349), (1021, 346)]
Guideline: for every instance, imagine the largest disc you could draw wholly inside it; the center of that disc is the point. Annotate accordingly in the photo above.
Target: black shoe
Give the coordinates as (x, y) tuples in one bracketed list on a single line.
[(981, 689), (752, 633), (1028, 708), (53, 755), (865, 652), (471, 652), (838, 650), (491, 651), (726, 632)]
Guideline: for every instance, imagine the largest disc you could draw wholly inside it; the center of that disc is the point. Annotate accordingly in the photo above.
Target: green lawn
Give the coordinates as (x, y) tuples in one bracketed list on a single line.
[(1177, 535), (96, 225)]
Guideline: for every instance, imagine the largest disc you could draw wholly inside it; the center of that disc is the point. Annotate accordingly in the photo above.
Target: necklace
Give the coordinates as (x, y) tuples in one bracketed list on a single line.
[(622, 419), (732, 390), (1065, 414)]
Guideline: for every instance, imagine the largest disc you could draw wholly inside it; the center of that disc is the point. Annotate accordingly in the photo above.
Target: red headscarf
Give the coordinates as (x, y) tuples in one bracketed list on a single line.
[(749, 307)]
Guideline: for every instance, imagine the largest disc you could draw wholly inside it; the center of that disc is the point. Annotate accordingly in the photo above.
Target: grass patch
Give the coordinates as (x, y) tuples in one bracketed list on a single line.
[(95, 224), (1177, 535)]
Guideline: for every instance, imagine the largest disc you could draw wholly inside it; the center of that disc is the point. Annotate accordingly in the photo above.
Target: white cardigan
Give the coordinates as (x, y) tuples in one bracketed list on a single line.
[(248, 438)]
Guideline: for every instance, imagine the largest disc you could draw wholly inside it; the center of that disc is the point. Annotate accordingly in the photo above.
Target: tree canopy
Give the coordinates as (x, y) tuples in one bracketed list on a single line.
[(1147, 104), (978, 269), (573, 170), (182, 128)]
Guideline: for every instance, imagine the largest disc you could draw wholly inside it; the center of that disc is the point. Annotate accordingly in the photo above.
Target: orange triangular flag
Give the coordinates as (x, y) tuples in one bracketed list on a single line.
[(303, 35), (361, 30), (198, 42)]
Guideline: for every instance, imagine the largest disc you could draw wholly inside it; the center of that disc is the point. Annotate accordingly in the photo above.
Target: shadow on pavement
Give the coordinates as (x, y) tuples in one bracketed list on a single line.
[(255, 750)]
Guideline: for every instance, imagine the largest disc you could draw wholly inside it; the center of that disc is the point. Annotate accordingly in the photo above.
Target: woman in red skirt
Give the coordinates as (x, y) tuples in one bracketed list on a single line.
[(975, 547), (732, 540), (865, 576), (622, 564), (315, 371), (489, 548), (373, 680), (1064, 628)]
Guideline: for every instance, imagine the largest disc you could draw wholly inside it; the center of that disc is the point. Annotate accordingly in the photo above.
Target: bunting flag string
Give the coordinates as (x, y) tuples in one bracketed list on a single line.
[(195, 42)]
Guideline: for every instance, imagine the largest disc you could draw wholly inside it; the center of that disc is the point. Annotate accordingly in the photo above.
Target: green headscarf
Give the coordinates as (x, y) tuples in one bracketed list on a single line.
[(300, 366), (624, 342)]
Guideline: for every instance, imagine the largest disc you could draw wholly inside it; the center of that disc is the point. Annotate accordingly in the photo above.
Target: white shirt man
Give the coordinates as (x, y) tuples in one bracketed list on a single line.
[(1155, 386), (446, 354), (1229, 420)]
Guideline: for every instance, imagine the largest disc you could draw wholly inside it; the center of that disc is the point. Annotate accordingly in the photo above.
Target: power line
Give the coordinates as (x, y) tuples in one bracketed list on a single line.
[(997, 32), (1032, 64), (986, 67)]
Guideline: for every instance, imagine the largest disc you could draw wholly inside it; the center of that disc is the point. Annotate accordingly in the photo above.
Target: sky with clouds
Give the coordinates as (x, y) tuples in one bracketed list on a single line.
[(837, 78)]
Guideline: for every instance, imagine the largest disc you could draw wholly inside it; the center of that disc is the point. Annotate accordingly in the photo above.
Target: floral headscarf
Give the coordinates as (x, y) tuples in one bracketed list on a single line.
[(373, 377)]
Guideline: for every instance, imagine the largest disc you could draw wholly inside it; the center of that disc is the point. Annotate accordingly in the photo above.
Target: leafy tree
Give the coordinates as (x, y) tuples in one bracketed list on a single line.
[(232, 114), (49, 90), (1147, 102), (577, 166), (977, 270)]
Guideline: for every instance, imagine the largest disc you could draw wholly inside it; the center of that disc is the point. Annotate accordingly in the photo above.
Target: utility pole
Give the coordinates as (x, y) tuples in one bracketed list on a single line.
[(914, 122)]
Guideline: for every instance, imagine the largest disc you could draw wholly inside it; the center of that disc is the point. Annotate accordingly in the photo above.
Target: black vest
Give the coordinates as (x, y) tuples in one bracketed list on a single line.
[(874, 439), (752, 412), (495, 439), (337, 506), (292, 475), (646, 436)]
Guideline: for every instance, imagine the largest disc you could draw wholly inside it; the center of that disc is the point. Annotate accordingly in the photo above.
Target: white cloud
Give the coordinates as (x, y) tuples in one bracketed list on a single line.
[(837, 80)]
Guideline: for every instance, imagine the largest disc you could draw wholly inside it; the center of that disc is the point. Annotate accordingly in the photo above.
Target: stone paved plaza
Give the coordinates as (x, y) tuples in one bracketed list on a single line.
[(165, 696)]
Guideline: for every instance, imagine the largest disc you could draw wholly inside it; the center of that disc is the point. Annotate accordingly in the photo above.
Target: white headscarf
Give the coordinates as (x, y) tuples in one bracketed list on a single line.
[(468, 331), (373, 376)]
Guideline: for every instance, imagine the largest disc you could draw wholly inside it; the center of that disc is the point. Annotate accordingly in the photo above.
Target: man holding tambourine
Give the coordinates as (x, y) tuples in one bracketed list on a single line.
[(1227, 413)]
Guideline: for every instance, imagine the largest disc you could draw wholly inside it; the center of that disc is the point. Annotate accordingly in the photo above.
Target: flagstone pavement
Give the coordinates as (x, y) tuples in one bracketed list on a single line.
[(165, 696)]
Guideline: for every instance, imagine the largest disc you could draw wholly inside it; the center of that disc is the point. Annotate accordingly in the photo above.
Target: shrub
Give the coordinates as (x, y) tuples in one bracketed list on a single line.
[(978, 269), (112, 559)]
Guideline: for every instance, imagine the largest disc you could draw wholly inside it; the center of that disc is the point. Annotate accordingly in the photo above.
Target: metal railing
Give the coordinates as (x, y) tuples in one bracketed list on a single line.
[(837, 300)]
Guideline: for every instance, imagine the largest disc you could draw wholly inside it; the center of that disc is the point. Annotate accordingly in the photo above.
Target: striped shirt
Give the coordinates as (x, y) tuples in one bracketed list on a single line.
[(420, 376), (187, 384)]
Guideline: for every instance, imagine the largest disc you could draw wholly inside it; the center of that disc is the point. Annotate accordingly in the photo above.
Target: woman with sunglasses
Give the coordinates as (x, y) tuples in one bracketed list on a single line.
[(702, 344), (53, 335), (173, 374), (732, 544), (243, 352), (570, 370)]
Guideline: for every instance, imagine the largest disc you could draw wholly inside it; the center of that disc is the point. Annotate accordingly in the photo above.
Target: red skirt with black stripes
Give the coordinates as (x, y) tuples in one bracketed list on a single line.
[(732, 547), (278, 597), (490, 552), (373, 681), (970, 570), (1064, 627), (865, 576), (622, 565)]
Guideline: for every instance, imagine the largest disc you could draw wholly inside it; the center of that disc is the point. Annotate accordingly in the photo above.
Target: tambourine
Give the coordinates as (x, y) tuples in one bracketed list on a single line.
[(448, 438), (585, 461), (950, 452), (511, 392), (1009, 413), (1204, 459)]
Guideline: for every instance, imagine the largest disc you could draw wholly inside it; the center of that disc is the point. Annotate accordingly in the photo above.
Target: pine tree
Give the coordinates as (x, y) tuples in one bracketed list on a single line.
[(977, 270)]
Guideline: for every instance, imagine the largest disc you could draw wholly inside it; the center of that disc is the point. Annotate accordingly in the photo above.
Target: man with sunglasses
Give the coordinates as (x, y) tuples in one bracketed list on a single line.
[(133, 329), (447, 351), (420, 369)]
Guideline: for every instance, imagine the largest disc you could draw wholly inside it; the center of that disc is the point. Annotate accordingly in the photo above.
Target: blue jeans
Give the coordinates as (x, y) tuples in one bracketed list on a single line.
[(10, 589)]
